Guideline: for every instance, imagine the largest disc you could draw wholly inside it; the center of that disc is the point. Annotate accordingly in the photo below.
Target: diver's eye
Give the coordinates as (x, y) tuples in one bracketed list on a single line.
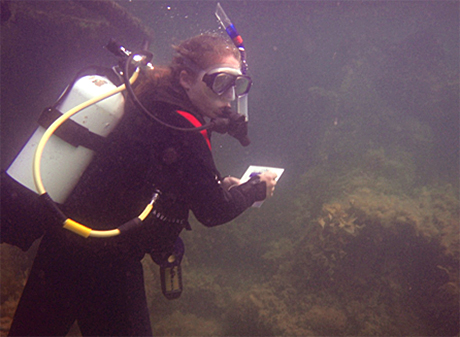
[(222, 82), (242, 85)]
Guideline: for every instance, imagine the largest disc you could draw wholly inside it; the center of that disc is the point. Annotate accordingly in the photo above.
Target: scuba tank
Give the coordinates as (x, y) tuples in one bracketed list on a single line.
[(67, 156)]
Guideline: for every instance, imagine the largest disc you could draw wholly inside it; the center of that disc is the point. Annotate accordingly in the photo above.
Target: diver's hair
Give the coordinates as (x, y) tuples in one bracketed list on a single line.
[(202, 50)]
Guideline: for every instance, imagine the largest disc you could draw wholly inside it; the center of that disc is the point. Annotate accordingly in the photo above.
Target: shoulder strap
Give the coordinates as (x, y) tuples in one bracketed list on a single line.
[(196, 123)]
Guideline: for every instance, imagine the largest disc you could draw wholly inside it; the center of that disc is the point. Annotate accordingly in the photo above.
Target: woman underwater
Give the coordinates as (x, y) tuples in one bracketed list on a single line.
[(99, 282)]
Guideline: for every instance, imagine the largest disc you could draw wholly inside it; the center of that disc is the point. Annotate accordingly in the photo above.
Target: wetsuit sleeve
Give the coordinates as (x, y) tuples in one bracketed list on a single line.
[(211, 204), (215, 206)]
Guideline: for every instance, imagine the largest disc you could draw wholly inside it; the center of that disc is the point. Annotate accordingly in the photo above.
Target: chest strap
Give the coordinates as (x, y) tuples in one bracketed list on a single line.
[(196, 123)]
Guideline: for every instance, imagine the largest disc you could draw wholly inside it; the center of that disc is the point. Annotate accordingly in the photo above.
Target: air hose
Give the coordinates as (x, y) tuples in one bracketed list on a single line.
[(68, 223)]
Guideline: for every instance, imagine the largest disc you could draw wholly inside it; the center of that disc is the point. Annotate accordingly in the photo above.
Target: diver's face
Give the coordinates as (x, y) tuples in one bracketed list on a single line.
[(209, 103)]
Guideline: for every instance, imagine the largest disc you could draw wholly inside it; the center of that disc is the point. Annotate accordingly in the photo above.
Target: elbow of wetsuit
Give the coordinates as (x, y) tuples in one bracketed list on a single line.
[(243, 197)]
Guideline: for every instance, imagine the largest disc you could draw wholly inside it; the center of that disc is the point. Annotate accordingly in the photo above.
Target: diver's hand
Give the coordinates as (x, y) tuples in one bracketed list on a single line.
[(229, 182), (269, 178)]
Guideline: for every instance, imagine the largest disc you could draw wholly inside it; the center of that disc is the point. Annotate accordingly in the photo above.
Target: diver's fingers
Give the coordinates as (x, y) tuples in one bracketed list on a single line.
[(270, 175)]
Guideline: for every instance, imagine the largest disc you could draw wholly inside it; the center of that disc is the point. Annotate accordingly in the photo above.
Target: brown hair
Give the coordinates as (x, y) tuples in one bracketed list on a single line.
[(200, 51), (203, 50)]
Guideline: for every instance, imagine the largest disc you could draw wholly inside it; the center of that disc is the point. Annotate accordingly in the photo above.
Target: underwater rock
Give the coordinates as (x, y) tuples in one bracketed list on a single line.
[(180, 324), (264, 311), (327, 320), (396, 254), (119, 17)]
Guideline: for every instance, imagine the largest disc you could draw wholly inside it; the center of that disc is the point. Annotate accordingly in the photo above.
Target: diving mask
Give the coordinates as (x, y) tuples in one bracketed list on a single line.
[(219, 80)]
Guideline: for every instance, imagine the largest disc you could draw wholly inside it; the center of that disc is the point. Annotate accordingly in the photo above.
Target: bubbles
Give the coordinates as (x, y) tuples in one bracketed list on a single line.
[(170, 10)]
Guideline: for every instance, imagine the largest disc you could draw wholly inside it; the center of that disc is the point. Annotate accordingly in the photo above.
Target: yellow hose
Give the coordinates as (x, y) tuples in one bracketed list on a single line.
[(84, 231)]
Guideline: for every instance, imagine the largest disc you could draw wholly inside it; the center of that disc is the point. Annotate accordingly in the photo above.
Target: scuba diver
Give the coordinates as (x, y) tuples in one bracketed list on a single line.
[(99, 281)]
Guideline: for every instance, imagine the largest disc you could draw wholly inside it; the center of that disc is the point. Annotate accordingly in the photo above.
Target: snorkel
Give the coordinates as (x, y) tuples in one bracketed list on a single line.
[(242, 101)]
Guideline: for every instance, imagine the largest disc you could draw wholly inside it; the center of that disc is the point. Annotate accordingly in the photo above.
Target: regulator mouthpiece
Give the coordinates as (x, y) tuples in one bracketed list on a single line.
[(234, 124)]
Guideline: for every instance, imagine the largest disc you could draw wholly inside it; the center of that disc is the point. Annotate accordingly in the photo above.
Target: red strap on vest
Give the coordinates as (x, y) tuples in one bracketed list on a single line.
[(196, 123)]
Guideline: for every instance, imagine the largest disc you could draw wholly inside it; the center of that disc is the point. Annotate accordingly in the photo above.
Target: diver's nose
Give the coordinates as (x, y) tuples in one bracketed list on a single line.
[(229, 95)]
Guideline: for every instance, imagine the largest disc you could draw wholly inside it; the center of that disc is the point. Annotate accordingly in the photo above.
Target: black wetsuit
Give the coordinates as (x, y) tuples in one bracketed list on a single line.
[(99, 282)]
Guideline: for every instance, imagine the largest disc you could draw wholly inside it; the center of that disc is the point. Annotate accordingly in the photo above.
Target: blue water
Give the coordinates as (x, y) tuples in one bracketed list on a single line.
[(357, 100)]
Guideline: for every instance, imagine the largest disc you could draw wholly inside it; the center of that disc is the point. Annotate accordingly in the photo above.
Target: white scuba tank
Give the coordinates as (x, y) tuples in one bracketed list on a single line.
[(63, 164)]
